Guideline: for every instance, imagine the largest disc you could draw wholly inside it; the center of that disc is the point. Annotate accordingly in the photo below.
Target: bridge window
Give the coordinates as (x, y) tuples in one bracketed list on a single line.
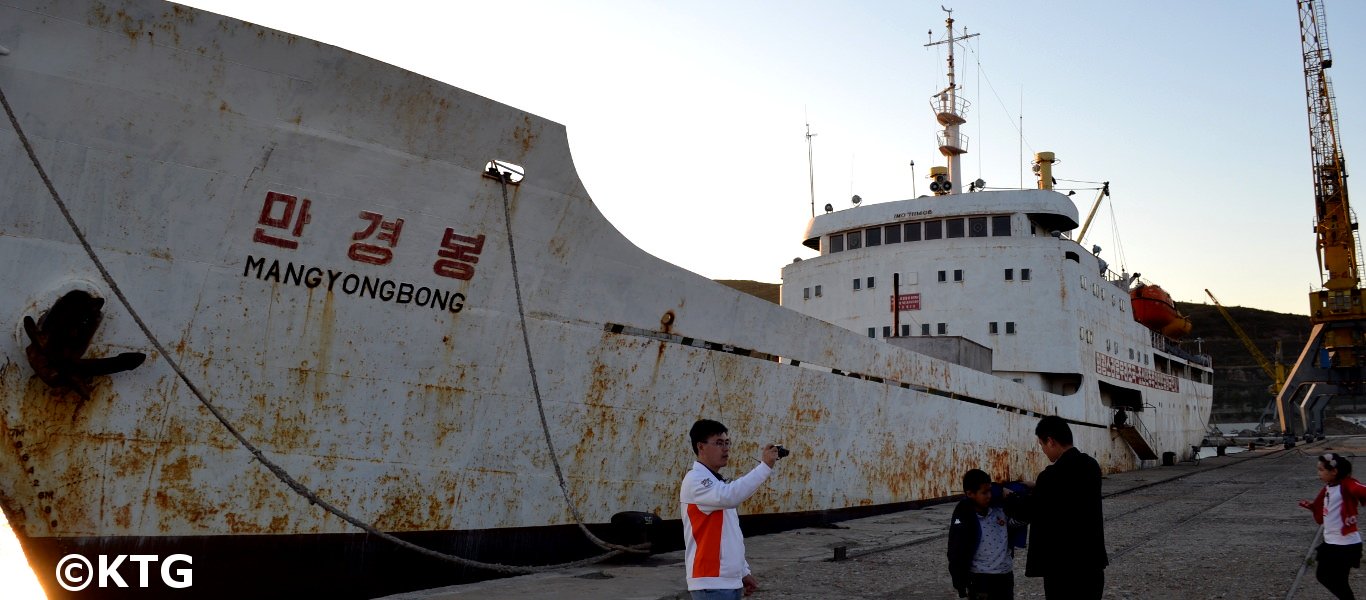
[(891, 234), (912, 231), (837, 243), (873, 237), (955, 228), (977, 227), (934, 230), (854, 240), (1000, 225)]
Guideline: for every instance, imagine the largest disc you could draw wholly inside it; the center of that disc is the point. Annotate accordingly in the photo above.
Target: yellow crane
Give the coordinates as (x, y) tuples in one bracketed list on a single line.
[(1275, 371), (1330, 363)]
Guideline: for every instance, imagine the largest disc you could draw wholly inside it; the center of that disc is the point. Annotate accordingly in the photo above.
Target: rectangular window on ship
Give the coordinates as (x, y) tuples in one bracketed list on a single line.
[(854, 240), (955, 228), (836, 243), (873, 237), (977, 227), (934, 230), (1000, 225), (891, 234), (912, 231)]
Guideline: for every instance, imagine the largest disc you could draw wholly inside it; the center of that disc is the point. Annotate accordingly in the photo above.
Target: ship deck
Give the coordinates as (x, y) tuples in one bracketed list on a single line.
[(1228, 527)]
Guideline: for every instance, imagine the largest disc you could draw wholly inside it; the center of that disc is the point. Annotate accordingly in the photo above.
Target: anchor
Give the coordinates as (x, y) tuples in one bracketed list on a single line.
[(60, 339)]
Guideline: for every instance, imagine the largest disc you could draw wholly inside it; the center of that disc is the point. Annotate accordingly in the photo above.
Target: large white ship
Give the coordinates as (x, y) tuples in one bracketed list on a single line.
[(475, 362)]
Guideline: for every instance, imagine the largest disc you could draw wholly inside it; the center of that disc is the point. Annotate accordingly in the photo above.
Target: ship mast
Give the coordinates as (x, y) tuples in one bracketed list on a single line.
[(949, 109), (810, 169)]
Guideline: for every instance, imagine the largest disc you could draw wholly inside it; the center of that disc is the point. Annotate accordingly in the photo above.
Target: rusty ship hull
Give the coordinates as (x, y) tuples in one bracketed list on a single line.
[(312, 236)]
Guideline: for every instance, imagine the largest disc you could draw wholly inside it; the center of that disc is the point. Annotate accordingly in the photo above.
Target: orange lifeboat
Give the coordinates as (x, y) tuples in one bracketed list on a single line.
[(1153, 307)]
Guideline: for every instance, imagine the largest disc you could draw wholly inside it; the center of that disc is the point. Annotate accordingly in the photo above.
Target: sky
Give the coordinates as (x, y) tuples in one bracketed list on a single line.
[(687, 119)]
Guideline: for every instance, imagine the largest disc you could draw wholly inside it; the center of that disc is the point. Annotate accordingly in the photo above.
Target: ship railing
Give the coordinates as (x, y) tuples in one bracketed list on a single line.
[(949, 108), (1137, 422), (1120, 280), (1160, 342), (958, 142)]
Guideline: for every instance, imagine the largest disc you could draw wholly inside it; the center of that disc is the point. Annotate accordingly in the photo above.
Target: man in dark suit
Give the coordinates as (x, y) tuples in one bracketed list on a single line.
[(1067, 528)]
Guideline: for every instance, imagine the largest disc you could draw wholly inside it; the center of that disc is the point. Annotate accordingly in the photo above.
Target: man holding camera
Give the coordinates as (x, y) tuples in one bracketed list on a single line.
[(715, 547)]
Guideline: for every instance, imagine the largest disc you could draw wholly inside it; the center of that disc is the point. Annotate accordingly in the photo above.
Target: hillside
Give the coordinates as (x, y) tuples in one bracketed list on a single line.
[(1240, 386)]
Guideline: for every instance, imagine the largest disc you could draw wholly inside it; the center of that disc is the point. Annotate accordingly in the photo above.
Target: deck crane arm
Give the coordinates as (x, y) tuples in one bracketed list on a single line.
[(1104, 191)]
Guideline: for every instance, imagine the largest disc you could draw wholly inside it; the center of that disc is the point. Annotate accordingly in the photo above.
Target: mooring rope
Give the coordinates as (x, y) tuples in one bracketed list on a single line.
[(503, 178), (276, 469)]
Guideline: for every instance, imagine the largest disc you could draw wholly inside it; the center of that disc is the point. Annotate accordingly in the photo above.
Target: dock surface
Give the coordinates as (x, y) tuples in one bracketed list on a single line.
[(1228, 527)]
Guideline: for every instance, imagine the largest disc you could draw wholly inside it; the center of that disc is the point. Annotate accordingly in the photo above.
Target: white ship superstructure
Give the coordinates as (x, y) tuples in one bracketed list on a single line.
[(991, 280)]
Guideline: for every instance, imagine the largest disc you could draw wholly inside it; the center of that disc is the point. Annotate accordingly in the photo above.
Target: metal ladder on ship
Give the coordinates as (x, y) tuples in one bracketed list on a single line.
[(1135, 434)]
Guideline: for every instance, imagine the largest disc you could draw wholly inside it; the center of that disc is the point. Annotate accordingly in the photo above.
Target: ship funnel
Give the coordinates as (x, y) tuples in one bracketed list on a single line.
[(1043, 167), (940, 183)]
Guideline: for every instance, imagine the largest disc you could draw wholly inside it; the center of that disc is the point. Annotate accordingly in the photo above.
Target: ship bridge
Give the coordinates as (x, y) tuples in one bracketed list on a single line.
[(1047, 210)]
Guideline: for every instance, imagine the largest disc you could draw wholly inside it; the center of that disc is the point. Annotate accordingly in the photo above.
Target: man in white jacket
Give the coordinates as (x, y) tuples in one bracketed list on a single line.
[(715, 547)]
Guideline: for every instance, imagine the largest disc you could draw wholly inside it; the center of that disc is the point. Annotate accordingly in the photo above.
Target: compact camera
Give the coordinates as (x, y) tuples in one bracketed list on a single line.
[(782, 452)]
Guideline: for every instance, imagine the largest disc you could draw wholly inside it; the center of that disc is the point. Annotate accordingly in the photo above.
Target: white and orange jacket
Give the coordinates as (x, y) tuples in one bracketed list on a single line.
[(714, 546)]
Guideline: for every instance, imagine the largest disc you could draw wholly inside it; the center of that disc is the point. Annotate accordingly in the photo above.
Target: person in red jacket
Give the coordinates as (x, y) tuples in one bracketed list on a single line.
[(1336, 508)]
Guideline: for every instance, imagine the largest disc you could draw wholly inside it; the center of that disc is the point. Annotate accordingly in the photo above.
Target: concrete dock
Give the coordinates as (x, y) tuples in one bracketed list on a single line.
[(1228, 527)]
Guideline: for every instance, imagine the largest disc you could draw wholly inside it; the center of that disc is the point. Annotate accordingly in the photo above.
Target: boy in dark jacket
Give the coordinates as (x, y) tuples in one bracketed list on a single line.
[(981, 556)]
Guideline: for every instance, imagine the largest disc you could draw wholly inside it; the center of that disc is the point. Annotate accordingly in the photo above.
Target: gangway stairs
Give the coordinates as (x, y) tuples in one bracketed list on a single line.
[(1136, 435)]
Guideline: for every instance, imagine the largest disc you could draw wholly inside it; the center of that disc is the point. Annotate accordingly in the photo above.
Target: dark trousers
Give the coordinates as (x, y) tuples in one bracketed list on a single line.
[(991, 586), (1333, 564), (1077, 585)]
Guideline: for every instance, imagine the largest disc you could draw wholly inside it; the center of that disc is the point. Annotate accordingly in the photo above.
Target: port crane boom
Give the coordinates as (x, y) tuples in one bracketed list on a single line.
[(1276, 372), (1331, 361)]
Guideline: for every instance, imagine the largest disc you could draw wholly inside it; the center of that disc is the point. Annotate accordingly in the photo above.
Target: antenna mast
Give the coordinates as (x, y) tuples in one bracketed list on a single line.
[(810, 168), (949, 109)]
